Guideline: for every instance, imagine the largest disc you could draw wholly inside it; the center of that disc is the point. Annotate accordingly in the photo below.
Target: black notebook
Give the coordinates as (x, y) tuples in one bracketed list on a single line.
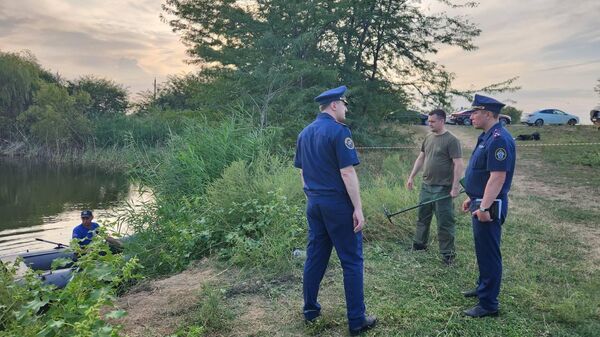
[(495, 209)]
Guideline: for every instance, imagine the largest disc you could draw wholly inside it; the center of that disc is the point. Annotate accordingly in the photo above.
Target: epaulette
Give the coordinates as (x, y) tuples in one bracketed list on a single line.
[(496, 133)]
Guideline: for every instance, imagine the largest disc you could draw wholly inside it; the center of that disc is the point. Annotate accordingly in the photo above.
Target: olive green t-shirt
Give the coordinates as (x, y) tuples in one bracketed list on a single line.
[(438, 168)]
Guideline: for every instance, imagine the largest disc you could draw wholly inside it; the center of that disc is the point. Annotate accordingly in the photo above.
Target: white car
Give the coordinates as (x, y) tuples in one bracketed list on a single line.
[(549, 116)]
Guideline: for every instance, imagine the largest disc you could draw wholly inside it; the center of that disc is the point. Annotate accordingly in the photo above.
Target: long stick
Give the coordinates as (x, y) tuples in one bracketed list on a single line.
[(390, 215), (52, 242)]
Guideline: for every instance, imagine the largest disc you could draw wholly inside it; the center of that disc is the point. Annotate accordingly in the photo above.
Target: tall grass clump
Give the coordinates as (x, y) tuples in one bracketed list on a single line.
[(259, 222), (220, 188), (199, 155)]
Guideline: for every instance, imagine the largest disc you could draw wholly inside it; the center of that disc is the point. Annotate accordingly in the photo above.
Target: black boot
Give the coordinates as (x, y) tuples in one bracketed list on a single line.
[(479, 312), (368, 323)]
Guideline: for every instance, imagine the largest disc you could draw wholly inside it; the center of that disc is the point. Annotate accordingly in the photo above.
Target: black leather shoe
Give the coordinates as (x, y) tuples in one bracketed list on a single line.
[(368, 323), (470, 293), (478, 312)]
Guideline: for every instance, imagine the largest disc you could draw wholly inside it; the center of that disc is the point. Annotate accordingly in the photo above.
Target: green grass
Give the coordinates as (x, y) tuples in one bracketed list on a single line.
[(551, 284), (564, 164)]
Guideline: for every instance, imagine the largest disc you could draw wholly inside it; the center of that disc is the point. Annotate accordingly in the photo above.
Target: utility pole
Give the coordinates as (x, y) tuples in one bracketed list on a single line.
[(154, 95)]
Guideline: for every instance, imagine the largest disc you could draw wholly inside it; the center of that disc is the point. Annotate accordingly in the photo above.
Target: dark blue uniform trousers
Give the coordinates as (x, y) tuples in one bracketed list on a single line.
[(487, 237), (330, 225)]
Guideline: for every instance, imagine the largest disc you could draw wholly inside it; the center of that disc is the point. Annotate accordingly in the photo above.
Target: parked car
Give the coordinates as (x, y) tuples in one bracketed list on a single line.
[(595, 115), (548, 117), (423, 119), (464, 118)]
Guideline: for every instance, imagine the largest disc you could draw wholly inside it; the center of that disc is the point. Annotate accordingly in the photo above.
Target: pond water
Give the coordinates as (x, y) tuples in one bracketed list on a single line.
[(44, 201)]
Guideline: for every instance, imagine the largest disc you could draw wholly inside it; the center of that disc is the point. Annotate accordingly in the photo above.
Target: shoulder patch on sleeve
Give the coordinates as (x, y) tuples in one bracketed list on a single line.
[(349, 143), (500, 154)]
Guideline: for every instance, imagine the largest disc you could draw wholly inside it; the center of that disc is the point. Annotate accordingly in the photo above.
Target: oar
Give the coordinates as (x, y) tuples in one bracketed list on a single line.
[(60, 245)]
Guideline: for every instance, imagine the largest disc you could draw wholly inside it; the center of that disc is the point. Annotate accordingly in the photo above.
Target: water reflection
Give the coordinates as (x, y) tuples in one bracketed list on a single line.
[(38, 199)]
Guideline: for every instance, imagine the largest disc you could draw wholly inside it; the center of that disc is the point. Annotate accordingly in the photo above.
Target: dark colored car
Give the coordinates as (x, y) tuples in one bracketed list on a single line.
[(464, 118), (595, 115)]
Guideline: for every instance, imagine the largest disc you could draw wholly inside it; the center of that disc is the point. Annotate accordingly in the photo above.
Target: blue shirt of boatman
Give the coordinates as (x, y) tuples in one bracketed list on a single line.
[(323, 148), (84, 234), (495, 151)]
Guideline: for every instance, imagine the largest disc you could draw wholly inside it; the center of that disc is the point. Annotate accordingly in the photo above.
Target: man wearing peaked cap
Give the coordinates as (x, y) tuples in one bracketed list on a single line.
[(487, 181), (326, 156), (332, 95), (481, 102)]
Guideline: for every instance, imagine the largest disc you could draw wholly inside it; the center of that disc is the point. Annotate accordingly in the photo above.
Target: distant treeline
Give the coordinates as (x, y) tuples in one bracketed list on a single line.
[(41, 108)]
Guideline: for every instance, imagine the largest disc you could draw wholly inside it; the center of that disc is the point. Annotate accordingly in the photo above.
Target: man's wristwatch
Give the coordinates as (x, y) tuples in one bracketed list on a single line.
[(482, 209)]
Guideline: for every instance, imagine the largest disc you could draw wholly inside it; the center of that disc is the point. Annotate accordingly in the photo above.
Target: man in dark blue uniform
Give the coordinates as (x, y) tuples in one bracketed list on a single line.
[(326, 156), (487, 182)]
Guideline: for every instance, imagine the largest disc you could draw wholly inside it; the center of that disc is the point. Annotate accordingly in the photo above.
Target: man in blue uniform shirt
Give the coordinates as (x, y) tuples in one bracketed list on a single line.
[(487, 182), (86, 230), (326, 156)]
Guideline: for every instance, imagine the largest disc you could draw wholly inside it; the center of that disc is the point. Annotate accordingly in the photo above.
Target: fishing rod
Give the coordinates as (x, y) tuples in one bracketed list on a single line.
[(58, 244)]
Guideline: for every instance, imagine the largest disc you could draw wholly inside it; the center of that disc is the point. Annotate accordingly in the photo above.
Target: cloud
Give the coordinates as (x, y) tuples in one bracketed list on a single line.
[(121, 40), (552, 45)]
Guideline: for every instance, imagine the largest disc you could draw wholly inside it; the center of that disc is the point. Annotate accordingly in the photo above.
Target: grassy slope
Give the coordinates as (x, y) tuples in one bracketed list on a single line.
[(551, 281)]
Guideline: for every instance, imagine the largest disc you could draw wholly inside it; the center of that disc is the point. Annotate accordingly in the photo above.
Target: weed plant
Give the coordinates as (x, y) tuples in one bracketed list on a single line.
[(30, 308)]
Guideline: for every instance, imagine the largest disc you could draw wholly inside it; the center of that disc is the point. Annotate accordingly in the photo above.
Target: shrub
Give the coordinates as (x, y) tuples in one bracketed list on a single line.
[(30, 308)]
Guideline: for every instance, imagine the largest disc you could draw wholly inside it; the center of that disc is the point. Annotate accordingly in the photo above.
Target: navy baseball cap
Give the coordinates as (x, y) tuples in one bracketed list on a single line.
[(86, 214), (487, 103), (332, 95)]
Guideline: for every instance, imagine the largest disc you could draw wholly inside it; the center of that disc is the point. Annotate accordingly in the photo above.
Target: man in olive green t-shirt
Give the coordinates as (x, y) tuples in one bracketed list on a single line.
[(441, 160)]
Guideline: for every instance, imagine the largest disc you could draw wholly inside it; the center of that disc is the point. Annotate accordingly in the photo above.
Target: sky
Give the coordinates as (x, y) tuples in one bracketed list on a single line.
[(552, 45)]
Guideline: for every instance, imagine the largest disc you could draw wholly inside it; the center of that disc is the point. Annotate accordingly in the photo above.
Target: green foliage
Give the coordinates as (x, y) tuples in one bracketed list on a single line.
[(20, 77), (179, 178), (55, 118), (107, 98), (254, 225), (152, 130), (514, 113), (257, 225), (213, 315), (277, 55), (33, 309), (202, 151)]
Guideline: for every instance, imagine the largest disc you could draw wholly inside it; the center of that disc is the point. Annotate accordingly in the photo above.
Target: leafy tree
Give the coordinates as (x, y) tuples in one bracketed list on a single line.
[(107, 98), (513, 112), (20, 77), (56, 118), (281, 53)]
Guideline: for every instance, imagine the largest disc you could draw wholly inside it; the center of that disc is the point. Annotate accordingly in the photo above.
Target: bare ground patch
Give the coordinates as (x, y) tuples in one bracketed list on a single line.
[(159, 307)]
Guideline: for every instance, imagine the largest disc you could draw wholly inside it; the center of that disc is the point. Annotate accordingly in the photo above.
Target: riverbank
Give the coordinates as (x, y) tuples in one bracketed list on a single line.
[(550, 280), (113, 159), (229, 212)]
